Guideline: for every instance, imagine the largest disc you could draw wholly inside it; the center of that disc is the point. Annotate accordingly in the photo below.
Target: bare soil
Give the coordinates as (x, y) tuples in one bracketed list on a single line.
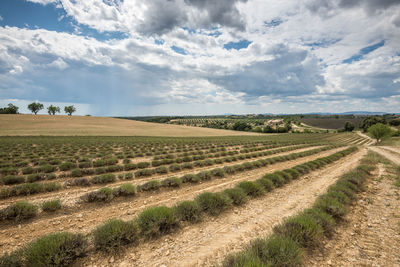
[(207, 243), (370, 235)]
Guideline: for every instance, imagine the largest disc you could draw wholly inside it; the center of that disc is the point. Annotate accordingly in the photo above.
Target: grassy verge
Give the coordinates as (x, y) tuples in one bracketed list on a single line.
[(157, 221), (305, 231)]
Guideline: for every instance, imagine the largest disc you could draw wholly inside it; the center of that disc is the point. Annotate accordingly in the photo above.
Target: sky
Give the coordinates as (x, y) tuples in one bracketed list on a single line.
[(201, 57)]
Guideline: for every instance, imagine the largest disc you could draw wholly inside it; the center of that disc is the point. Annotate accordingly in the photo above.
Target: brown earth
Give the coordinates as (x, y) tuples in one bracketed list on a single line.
[(60, 125), (13, 236), (207, 243), (370, 235)]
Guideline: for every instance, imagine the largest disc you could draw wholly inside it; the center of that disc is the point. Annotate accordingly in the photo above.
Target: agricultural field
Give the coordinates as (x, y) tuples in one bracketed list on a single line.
[(332, 123), (153, 201), (28, 125)]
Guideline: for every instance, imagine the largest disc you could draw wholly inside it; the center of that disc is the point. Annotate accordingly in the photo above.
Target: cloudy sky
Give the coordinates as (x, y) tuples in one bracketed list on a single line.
[(189, 57)]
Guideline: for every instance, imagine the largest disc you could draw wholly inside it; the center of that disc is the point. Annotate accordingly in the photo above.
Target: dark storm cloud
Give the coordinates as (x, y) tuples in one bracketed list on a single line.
[(163, 16), (222, 12), (290, 73), (323, 7)]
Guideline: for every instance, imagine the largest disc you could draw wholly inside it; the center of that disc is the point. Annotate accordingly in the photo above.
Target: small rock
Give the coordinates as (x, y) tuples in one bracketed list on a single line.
[(329, 262), (80, 215), (111, 259)]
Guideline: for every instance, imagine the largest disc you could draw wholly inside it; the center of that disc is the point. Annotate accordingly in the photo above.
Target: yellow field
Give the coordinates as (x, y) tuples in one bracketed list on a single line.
[(60, 125)]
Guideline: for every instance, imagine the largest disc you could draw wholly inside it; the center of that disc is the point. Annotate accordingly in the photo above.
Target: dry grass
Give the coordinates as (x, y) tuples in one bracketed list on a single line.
[(28, 125)]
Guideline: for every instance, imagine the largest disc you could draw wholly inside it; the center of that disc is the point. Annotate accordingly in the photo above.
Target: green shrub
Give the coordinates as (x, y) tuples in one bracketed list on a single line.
[(19, 211), (100, 170), (111, 235), (34, 177), (104, 194), (251, 188), (161, 170), (14, 259), (213, 203), (171, 182), (79, 182), (26, 189), (188, 211), (322, 218), (143, 165), (157, 221), (144, 173), (302, 229), (130, 166), (204, 175), (277, 180), (292, 172), (51, 205), (13, 179), (76, 173), (50, 187), (104, 179), (127, 190), (58, 249), (331, 206), (243, 259), (190, 178), (220, 173), (150, 185), (174, 167), (66, 166), (28, 170), (277, 251), (266, 184), (285, 176), (237, 195), (46, 168)]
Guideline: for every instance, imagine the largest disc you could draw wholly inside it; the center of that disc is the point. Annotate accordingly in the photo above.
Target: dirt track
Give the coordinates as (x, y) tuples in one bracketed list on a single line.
[(13, 236), (206, 243), (371, 233), (391, 155)]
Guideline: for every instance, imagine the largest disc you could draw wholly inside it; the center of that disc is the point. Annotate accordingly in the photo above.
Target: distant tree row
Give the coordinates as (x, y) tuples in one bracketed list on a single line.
[(35, 107)]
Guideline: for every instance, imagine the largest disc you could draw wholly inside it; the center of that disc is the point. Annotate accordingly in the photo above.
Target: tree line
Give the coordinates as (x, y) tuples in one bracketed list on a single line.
[(35, 107)]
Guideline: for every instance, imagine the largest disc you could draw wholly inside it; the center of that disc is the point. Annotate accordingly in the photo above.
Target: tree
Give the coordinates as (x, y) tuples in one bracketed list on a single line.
[(379, 130), (371, 120), (10, 109), (52, 110), (35, 107), (69, 110), (348, 126)]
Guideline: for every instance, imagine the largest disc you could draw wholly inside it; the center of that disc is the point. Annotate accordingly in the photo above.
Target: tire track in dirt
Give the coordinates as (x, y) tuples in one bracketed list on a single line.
[(13, 236), (69, 195), (395, 158), (371, 233), (207, 243)]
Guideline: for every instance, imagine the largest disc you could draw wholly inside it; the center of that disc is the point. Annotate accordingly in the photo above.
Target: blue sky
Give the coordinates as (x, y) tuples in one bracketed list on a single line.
[(128, 58)]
